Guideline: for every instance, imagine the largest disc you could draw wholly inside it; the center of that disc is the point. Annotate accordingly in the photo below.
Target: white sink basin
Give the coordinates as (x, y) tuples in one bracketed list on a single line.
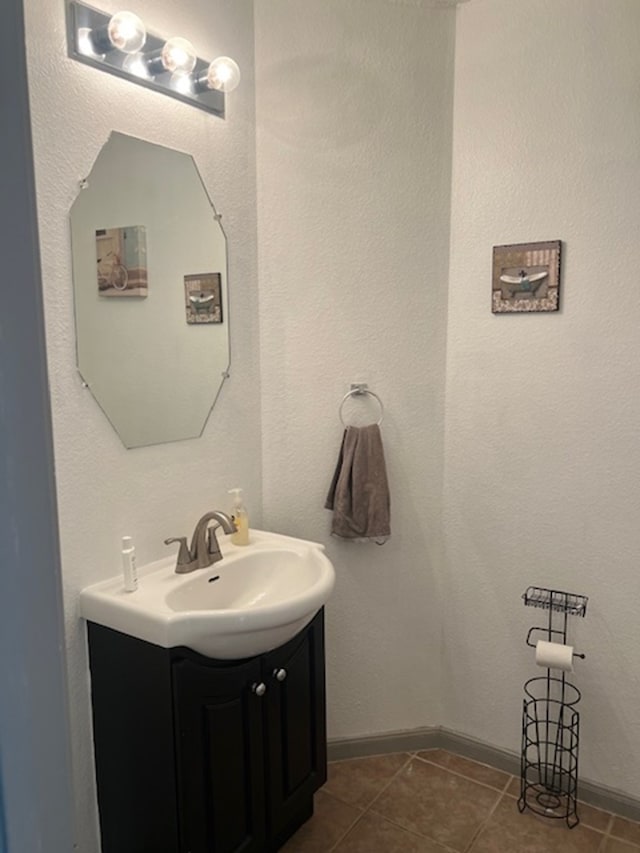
[(254, 600)]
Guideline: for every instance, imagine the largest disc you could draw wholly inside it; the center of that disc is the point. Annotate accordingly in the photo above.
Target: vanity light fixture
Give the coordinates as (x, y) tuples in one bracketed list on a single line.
[(121, 45)]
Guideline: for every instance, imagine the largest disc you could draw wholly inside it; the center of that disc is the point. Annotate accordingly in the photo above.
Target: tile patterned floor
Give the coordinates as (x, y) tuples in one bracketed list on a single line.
[(438, 802)]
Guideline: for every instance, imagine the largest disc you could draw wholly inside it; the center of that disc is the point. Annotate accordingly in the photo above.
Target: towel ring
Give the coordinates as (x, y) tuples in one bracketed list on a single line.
[(357, 390)]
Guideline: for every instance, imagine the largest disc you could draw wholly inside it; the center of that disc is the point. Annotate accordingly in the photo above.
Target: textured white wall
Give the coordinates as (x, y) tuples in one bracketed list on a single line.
[(542, 481), (105, 491), (354, 140)]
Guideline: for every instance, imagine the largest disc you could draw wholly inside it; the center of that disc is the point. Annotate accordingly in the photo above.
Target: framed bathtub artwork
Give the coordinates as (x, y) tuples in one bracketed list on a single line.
[(203, 298), (526, 278)]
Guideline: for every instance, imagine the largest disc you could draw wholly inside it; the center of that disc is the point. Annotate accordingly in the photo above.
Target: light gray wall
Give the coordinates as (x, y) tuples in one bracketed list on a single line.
[(105, 491), (354, 146), (542, 482), (35, 779)]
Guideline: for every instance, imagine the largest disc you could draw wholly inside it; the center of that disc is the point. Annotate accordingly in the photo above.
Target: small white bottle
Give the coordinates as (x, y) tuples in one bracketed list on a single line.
[(241, 519), (129, 564)]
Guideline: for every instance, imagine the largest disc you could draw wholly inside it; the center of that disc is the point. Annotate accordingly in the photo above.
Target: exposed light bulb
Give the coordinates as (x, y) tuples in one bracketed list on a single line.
[(127, 32), (178, 56), (85, 42), (135, 64), (223, 74), (182, 83)]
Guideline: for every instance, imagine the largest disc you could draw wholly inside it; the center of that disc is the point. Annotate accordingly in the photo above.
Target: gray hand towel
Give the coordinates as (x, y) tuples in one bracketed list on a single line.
[(359, 491)]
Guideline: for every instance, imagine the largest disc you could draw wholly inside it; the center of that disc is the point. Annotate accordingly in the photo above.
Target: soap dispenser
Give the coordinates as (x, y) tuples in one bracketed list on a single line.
[(240, 518)]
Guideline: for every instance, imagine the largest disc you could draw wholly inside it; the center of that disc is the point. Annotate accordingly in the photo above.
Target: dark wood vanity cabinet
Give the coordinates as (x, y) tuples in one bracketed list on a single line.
[(203, 756)]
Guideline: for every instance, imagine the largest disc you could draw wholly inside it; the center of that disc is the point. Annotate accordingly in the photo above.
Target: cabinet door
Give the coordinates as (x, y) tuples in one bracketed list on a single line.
[(220, 757), (296, 728), (134, 743)]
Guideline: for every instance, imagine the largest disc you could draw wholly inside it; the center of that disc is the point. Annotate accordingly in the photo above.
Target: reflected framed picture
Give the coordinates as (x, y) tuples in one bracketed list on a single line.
[(203, 298), (121, 261), (526, 278)]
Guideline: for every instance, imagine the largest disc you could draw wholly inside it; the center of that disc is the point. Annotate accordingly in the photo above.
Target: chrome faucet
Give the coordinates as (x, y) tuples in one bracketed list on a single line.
[(204, 550)]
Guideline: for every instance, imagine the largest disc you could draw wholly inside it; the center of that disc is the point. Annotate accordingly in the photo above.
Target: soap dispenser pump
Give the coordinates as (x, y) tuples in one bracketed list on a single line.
[(240, 518)]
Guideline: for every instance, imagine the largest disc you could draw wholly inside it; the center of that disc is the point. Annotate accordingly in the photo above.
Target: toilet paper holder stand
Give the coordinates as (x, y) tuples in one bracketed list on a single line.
[(547, 636), (550, 720)]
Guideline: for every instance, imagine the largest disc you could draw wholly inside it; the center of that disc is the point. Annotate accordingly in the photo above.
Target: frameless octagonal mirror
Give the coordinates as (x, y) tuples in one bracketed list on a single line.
[(150, 289)]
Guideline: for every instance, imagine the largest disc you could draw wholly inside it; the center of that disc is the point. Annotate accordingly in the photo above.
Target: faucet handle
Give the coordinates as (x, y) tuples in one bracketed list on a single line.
[(184, 555)]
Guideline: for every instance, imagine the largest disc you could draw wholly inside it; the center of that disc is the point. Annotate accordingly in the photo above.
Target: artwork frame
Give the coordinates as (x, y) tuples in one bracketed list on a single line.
[(526, 277), (203, 298), (121, 261)]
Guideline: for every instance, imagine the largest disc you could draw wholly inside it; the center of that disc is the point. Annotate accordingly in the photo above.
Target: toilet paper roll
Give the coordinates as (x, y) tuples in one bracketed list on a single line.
[(554, 655)]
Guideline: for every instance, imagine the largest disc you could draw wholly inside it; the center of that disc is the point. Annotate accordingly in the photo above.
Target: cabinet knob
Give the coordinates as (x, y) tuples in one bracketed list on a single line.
[(259, 689), (280, 674)]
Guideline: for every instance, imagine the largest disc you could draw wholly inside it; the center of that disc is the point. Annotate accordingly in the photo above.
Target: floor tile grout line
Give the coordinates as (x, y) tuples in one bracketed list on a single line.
[(353, 758), (516, 797), (366, 809), (410, 758), (370, 808), (425, 758), (610, 816), (624, 840), (607, 833), (508, 784), (423, 755), (604, 832), (468, 778), (502, 793), (492, 811), (347, 831), (503, 790), (413, 832)]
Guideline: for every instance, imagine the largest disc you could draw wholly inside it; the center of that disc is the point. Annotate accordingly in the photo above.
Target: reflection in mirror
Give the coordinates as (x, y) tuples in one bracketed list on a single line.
[(150, 289)]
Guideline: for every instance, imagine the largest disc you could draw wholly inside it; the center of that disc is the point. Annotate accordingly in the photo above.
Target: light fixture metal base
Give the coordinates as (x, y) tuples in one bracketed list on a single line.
[(83, 20)]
